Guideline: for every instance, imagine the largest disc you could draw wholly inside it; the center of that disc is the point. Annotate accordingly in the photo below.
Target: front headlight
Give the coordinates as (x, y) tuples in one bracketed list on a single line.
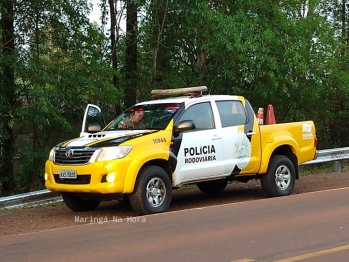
[(114, 152), (51, 156)]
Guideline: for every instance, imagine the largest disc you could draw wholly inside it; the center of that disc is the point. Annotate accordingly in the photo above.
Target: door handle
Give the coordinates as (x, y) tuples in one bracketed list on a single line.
[(250, 133), (216, 137)]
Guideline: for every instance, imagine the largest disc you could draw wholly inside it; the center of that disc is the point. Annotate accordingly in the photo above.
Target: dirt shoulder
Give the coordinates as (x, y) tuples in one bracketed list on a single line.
[(53, 216)]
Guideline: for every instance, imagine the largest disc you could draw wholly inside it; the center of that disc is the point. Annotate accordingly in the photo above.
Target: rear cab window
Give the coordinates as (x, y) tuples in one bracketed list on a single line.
[(231, 112)]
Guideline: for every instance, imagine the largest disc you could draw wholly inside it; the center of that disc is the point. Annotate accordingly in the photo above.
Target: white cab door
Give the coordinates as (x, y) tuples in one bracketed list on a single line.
[(93, 116), (200, 153)]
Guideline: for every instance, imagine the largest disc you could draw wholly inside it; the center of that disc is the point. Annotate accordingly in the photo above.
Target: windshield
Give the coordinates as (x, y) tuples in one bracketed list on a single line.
[(152, 116)]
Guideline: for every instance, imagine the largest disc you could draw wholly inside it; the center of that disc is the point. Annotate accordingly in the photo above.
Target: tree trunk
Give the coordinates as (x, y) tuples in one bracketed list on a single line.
[(8, 106), (36, 159), (113, 39), (131, 54), (157, 43), (344, 35)]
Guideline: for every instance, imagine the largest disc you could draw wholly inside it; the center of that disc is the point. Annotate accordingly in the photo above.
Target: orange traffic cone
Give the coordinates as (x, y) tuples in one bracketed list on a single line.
[(260, 116), (234, 110), (270, 115)]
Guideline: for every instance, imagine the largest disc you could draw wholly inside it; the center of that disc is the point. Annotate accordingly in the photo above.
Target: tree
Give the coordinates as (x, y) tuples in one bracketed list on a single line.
[(335, 124), (61, 66), (8, 101), (131, 54)]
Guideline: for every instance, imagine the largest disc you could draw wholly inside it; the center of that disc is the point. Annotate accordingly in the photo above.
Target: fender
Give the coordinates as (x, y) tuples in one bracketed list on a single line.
[(146, 153), (271, 144), (138, 162)]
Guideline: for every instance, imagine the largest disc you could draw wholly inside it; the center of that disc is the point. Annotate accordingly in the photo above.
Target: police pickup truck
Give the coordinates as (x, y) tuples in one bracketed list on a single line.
[(187, 138)]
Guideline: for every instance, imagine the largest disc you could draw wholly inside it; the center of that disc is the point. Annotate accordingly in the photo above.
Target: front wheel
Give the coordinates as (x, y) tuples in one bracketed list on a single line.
[(153, 191), (280, 177), (77, 204)]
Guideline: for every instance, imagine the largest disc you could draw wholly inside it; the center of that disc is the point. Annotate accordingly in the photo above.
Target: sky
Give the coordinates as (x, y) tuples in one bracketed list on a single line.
[(96, 14)]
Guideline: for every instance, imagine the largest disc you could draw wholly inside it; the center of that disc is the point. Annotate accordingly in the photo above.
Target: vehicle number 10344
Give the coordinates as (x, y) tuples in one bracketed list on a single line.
[(159, 140)]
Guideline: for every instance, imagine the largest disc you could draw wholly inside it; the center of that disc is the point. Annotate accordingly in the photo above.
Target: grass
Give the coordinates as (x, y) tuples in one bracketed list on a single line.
[(33, 205), (187, 187), (44, 205), (323, 168)]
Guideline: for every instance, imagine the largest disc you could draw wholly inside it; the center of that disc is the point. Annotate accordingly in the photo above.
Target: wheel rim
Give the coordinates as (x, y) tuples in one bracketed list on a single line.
[(283, 177), (156, 192)]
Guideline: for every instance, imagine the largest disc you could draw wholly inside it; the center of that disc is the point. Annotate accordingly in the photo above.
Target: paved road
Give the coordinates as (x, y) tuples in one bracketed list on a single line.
[(306, 227)]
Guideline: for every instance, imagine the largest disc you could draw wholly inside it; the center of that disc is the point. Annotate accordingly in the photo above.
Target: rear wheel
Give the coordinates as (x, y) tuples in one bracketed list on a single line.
[(212, 187), (77, 204), (280, 177), (153, 191)]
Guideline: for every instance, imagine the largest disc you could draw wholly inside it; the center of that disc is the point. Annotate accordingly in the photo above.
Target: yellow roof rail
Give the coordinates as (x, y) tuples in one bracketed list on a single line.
[(197, 90)]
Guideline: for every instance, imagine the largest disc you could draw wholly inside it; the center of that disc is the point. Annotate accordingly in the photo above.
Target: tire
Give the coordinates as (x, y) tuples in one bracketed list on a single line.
[(153, 191), (77, 204), (280, 177), (212, 187)]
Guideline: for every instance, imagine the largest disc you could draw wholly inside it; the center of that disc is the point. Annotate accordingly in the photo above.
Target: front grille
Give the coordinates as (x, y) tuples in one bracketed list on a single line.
[(80, 180), (78, 157)]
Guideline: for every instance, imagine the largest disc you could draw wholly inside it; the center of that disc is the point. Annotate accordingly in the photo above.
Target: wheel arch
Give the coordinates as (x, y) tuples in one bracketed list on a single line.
[(286, 150), (164, 164)]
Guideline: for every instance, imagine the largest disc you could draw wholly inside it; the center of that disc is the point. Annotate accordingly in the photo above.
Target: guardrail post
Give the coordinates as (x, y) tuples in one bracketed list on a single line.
[(337, 166)]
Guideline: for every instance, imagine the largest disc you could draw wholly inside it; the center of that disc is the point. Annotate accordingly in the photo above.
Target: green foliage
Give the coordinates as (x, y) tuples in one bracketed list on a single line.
[(61, 67), (286, 55), (294, 56)]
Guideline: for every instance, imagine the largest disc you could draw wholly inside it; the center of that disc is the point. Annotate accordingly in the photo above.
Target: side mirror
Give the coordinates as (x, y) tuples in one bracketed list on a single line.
[(94, 128), (184, 126)]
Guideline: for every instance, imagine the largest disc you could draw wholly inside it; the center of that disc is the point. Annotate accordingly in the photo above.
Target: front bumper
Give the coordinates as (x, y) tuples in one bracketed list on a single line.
[(91, 177)]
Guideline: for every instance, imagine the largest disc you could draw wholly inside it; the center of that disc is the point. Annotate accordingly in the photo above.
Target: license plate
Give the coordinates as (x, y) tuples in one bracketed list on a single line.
[(67, 174)]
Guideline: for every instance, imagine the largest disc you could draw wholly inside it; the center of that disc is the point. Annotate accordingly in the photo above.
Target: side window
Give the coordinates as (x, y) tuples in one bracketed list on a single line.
[(201, 114), (232, 113)]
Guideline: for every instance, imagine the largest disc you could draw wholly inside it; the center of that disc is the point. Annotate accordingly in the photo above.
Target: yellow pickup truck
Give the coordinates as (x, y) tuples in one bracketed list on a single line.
[(157, 146)]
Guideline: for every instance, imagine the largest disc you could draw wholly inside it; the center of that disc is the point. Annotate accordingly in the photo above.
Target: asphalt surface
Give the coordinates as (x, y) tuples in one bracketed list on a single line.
[(305, 227)]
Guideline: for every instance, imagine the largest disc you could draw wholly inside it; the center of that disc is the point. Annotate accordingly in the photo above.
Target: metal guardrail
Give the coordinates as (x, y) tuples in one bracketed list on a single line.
[(335, 155), (30, 199), (45, 196)]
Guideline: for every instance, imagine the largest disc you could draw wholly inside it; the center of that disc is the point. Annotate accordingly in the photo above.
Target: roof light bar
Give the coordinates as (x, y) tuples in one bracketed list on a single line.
[(178, 91)]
